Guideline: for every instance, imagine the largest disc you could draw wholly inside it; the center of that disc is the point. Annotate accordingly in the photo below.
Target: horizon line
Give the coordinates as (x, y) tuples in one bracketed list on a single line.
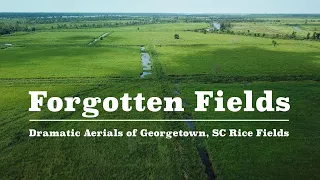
[(243, 13), (159, 120)]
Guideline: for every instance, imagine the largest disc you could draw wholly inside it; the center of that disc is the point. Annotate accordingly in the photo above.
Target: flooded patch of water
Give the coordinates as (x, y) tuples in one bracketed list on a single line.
[(184, 104), (4, 46), (191, 124), (217, 26), (144, 74), (146, 63), (176, 92)]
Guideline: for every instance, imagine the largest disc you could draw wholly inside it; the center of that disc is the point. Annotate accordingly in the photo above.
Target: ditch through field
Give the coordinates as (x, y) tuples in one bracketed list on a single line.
[(99, 38), (146, 63)]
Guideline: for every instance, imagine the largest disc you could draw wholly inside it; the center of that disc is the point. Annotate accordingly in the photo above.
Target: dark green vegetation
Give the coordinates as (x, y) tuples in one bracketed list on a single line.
[(267, 158), (61, 61)]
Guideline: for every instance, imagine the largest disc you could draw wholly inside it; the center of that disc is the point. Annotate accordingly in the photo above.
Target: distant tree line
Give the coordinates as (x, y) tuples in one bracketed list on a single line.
[(11, 28), (293, 35), (225, 28), (315, 36), (28, 22), (96, 25), (220, 16), (11, 25)]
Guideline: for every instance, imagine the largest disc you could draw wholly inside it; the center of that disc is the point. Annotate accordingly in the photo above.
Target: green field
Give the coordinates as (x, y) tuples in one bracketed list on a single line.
[(35, 62), (273, 155), (63, 63), (241, 59), (280, 26)]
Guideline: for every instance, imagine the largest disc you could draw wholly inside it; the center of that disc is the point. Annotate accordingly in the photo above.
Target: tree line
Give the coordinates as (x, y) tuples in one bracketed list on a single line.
[(225, 28), (11, 28)]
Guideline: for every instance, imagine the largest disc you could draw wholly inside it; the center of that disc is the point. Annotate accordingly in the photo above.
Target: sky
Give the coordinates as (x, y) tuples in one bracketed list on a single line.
[(164, 6)]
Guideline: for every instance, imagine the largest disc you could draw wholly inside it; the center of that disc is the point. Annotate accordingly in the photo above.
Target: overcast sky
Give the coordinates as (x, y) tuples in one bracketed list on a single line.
[(163, 6)]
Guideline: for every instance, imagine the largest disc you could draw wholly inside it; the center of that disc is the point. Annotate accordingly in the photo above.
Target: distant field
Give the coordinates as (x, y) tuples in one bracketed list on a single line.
[(280, 28), (244, 60), (80, 37), (167, 27), (166, 38)]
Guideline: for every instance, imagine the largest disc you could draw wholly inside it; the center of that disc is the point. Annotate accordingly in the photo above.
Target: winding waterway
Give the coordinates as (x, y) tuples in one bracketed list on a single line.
[(202, 151)]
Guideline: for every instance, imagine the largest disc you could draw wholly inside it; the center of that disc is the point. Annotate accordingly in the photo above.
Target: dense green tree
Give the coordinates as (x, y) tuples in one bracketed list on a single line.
[(314, 36), (308, 35), (224, 26), (294, 35)]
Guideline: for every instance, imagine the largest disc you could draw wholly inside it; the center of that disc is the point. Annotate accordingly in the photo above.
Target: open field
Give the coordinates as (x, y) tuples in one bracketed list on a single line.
[(234, 60), (35, 62), (274, 155), (285, 27), (271, 28), (62, 62), (79, 37), (108, 156)]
